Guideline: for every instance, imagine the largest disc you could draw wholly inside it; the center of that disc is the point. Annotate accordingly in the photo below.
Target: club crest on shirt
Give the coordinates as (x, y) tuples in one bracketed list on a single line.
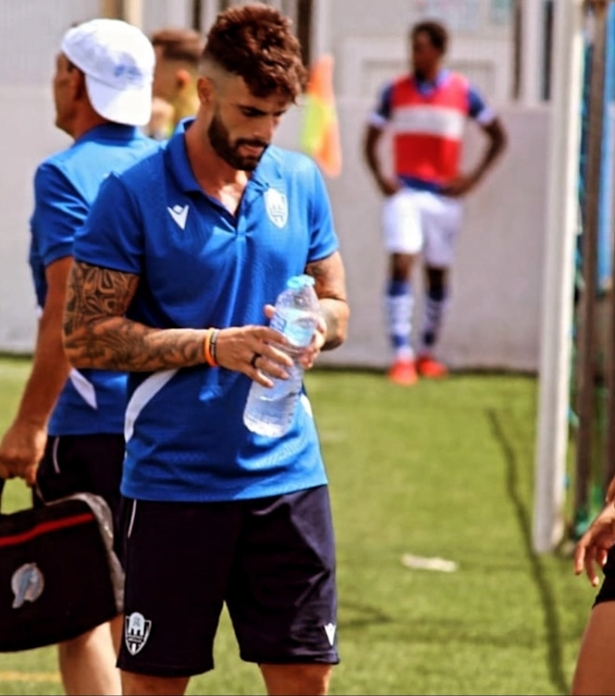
[(137, 632), (277, 207)]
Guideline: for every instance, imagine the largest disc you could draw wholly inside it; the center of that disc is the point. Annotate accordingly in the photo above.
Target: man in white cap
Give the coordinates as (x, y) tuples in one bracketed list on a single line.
[(67, 435)]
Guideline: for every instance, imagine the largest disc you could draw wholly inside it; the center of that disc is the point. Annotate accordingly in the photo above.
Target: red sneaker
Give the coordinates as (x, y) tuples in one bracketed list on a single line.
[(403, 372), (430, 367)]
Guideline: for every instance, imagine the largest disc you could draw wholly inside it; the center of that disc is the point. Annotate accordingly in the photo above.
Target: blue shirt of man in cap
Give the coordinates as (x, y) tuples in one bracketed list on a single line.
[(67, 435)]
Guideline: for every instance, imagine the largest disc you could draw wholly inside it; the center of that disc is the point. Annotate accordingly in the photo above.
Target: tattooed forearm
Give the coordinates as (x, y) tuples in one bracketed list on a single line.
[(330, 287), (98, 335)]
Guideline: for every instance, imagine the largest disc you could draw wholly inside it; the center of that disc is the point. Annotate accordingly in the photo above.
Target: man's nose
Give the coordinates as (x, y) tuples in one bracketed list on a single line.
[(266, 127)]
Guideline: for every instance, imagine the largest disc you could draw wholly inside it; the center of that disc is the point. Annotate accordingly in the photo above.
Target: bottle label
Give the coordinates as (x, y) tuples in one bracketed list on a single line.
[(296, 324)]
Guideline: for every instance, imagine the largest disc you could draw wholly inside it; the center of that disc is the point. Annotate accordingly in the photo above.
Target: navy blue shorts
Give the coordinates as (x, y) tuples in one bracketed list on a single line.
[(83, 463), (272, 561)]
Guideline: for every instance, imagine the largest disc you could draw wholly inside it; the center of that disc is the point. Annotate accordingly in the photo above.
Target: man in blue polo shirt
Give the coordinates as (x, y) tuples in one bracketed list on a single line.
[(187, 250), (67, 435)]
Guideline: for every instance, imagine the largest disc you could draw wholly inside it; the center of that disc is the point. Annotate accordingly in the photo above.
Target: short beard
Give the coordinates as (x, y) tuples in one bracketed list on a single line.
[(220, 142)]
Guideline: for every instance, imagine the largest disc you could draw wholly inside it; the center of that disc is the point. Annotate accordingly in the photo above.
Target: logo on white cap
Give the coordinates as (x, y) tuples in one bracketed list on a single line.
[(118, 62)]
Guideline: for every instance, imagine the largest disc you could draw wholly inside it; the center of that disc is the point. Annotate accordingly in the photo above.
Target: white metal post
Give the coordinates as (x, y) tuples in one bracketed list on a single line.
[(532, 51), (133, 12), (558, 288), (209, 14), (321, 36)]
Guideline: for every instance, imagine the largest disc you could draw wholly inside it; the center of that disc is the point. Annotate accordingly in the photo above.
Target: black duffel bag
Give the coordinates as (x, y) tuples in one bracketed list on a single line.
[(59, 575)]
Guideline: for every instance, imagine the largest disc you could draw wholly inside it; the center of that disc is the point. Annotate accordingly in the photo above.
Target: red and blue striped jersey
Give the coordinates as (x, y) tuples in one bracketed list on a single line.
[(427, 120)]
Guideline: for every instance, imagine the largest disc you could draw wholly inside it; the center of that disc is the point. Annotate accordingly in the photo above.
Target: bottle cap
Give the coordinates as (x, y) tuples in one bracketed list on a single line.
[(299, 281)]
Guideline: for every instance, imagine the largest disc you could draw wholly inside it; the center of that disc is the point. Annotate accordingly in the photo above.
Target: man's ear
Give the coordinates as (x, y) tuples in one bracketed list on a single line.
[(205, 90), (182, 78), (78, 83)]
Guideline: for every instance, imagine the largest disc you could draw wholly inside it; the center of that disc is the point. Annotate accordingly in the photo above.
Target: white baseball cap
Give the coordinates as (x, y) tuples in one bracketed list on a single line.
[(117, 60)]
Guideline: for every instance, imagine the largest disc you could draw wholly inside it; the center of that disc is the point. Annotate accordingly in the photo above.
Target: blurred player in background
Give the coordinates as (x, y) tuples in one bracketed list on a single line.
[(422, 212), (178, 52)]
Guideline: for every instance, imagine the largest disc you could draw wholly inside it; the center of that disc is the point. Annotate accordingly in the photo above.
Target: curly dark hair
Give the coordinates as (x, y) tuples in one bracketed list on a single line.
[(255, 41), (438, 35)]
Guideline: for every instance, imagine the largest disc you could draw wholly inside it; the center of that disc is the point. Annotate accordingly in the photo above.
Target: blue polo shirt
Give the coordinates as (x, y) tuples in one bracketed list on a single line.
[(65, 186), (201, 266)]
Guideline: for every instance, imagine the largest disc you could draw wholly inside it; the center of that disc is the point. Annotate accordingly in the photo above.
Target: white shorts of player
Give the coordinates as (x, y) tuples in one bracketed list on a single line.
[(421, 221)]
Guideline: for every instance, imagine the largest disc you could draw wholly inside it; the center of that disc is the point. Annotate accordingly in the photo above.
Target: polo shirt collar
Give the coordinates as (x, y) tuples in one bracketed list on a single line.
[(263, 177), (426, 86), (110, 131)]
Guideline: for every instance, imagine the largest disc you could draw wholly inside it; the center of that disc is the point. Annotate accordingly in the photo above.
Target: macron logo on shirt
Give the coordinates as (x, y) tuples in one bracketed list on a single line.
[(179, 214)]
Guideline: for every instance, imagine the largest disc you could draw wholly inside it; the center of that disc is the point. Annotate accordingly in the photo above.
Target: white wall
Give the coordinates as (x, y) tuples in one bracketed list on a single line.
[(495, 308), (26, 121), (494, 316), (370, 47)]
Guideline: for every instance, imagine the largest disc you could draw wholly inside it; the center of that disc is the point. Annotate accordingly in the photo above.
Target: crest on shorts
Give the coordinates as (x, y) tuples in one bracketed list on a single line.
[(276, 205), (27, 584), (136, 632)]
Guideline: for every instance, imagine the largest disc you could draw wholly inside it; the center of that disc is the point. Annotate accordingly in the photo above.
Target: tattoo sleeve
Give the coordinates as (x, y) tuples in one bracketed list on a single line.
[(330, 286), (97, 333)]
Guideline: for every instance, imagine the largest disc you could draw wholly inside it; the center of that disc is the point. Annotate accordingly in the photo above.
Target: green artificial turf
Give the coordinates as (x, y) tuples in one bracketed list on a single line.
[(442, 469)]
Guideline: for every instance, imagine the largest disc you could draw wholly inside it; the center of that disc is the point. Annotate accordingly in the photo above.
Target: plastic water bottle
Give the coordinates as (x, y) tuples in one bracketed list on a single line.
[(269, 410)]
